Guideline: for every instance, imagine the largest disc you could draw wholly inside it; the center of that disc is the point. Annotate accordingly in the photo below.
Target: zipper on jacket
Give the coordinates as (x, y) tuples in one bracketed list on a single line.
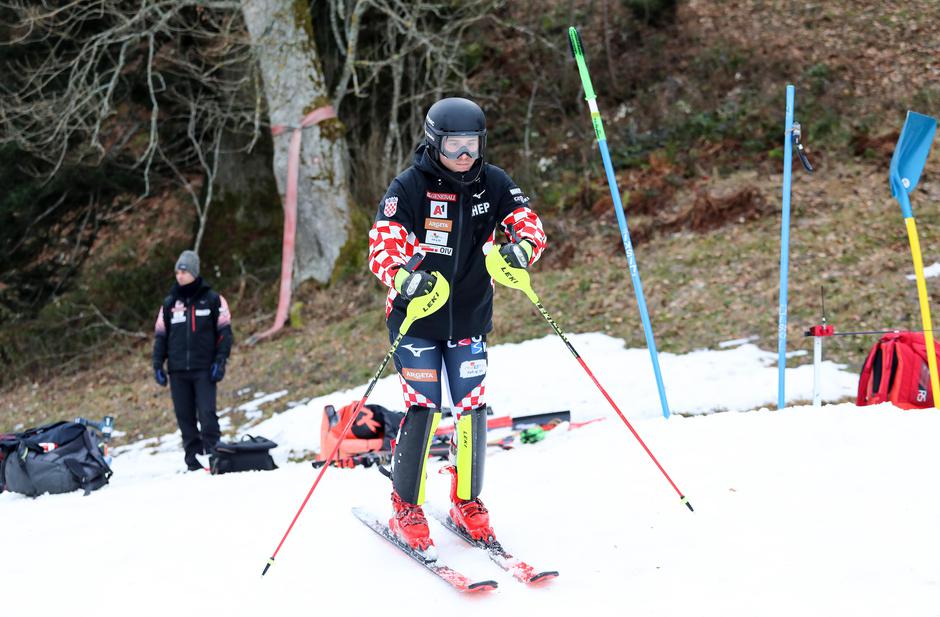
[(453, 277), (189, 337)]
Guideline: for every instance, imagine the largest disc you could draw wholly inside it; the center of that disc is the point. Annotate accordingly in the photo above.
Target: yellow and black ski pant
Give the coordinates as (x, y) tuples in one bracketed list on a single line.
[(424, 366)]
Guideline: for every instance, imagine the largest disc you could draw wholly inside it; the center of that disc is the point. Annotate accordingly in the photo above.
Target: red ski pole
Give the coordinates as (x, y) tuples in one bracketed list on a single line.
[(518, 278), (419, 307)]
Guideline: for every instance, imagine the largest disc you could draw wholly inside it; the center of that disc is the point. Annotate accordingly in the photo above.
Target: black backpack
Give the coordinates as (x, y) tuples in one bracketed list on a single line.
[(249, 454), (56, 458), (3, 436)]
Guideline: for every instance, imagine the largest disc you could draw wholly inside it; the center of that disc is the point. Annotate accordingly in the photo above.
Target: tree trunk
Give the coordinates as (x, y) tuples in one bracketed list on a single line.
[(282, 35)]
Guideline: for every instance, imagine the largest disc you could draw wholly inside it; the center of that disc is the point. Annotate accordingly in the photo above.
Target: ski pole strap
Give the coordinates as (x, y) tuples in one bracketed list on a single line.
[(414, 262), (796, 135)]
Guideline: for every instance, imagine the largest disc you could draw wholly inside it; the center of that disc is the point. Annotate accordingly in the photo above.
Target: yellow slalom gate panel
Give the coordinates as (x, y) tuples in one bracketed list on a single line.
[(924, 308), (464, 456), (427, 452)]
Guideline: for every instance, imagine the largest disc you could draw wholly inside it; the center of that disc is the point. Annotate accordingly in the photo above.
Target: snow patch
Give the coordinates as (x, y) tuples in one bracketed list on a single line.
[(929, 272), (823, 503)]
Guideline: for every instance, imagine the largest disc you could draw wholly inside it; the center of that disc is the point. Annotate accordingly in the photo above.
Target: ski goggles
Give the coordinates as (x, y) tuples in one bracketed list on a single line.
[(455, 146)]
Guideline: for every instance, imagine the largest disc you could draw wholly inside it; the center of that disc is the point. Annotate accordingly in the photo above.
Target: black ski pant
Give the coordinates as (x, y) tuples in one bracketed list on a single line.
[(194, 399)]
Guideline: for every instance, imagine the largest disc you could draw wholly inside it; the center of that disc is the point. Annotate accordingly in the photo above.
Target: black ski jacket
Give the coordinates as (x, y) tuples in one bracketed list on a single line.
[(426, 209), (193, 329)]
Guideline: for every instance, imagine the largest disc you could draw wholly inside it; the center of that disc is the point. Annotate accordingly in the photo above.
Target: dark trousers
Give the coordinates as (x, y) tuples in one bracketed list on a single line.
[(194, 399)]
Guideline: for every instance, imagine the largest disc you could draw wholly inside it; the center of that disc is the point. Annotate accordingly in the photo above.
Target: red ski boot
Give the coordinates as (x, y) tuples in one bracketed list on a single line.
[(411, 526), (470, 515)]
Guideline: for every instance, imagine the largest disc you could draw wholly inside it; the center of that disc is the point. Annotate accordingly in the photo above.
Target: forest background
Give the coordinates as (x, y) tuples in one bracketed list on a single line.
[(130, 131)]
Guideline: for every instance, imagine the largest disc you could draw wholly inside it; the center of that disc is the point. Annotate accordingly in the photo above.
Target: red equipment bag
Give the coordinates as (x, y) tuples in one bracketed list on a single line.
[(896, 371), (372, 431)]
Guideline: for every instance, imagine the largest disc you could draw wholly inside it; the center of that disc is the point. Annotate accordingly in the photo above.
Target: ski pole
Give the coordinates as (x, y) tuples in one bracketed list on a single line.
[(908, 161), (419, 307), (577, 50), (518, 278)]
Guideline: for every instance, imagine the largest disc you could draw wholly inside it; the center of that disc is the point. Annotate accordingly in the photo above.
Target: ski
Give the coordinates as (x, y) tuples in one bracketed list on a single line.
[(536, 432), (457, 580), (520, 570)]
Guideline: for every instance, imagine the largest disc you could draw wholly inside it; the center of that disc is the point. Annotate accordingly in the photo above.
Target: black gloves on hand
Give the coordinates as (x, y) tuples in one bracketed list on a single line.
[(413, 284), (517, 254)]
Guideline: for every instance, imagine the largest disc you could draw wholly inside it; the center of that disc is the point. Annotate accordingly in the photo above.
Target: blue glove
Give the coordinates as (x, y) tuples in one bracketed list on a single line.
[(217, 371), (159, 375)]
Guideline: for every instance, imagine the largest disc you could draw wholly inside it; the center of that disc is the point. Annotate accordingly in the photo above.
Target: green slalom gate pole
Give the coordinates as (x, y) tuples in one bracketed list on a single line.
[(578, 51)]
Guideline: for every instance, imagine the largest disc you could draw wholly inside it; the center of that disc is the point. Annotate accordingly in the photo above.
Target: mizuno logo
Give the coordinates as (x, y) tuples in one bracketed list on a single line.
[(416, 351), (480, 194)]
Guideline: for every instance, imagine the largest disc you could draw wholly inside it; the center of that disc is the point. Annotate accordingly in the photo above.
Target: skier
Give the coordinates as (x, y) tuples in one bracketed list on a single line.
[(194, 333), (449, 206)]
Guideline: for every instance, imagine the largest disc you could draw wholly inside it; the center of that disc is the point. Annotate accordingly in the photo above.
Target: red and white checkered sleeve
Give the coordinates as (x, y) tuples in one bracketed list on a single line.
[(528, 226), (390, 247)]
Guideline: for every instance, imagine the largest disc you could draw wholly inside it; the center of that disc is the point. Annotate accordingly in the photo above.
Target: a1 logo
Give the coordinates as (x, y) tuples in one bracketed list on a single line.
[(439, 209)]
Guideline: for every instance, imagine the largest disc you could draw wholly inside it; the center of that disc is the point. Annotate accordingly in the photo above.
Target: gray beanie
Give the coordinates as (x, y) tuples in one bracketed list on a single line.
[(188, 262)]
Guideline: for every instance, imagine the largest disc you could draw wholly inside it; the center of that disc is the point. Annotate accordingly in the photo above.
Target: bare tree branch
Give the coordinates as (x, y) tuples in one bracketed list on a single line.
[(78, 68), (114, 328)]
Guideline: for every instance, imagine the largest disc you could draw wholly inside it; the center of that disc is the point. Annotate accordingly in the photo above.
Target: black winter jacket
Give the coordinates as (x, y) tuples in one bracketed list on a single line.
[(427, 210), (193, 329)]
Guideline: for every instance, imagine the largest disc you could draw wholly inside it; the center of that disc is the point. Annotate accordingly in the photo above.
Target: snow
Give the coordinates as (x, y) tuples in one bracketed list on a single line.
[(805, 511), (929, 272)]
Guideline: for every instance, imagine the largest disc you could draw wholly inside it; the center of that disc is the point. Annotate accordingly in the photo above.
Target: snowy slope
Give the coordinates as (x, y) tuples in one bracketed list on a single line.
[(804, 511)]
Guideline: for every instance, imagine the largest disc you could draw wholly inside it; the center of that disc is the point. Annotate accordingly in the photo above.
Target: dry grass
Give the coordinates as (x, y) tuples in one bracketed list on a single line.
[(706, 233), (701, 288)]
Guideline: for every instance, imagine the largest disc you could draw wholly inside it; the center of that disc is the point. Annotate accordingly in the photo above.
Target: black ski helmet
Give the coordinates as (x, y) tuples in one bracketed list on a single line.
[(454, 116)]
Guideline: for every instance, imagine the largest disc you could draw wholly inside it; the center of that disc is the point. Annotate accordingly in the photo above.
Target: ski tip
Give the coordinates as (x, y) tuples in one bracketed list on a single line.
[(483, 586), (541, 577)]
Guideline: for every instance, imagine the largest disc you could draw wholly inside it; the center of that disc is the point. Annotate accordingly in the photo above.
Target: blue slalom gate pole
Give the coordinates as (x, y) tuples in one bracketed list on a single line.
[(577, 50), (785, 251)]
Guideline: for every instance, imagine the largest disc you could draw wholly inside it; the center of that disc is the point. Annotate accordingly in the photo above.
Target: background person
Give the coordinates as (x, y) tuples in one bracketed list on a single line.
[(193, 334)]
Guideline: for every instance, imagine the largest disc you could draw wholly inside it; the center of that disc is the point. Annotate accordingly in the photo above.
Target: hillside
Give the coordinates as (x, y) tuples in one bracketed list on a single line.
[(694, 109)]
